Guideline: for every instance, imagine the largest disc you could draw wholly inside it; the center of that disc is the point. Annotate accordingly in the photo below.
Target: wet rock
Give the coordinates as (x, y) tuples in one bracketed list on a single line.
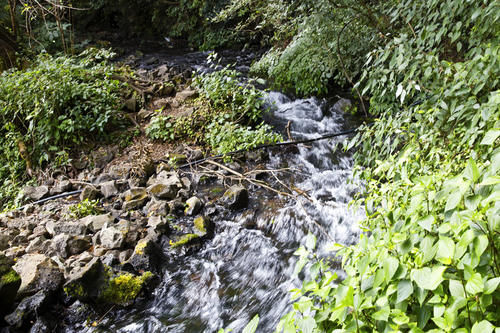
[(164, 190), (135, 198), (90, 192), (36, 193), (38, 272), (67, 245), (84, 283), (158, 224), (28, 310), (185, 241), (176, 207), (61, 187), (10, 282), (236, 197), (41, 325), (147, 256), (96, 222), (193, 206), (111, 238), (109, 189), (203, 226)]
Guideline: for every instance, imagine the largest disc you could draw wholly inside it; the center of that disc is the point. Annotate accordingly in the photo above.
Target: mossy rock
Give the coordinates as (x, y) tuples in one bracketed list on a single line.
[(187, 239), (203, 226), (10, 282), (124, 288)]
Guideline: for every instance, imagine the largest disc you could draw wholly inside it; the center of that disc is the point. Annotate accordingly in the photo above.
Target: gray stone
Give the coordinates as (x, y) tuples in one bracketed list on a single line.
[(84, 283), (155, 207), (38, 272), (39, 244), (62, 186), (111, 238), (125, 255), (203, 226), (109, 189), (236, 197), (4, 241), (193, 206), (147, 256), (176, 207), (36, 193), (158, 224), (135, 198), (41, 326), (96, 222), (163, 191), (71, 228), (186, 95), (90, 192), (67, 245), (28, 310), (120, 171)]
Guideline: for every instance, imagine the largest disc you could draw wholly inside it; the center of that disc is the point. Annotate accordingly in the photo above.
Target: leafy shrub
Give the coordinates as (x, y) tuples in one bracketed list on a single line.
[(429, 260), (228, 137), (85, 208), (55, 105), (161, 128)]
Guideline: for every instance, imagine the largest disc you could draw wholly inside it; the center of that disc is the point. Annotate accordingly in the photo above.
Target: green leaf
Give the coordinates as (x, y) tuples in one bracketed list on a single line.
[(490, 137), (457, 289), (405, 289), (252, 325), (427, 278), (491, 285), (474, 284), (426, 222), (482, 327), (306, 324), (391, 265), (446, 250), (382, 314), (453, 200)]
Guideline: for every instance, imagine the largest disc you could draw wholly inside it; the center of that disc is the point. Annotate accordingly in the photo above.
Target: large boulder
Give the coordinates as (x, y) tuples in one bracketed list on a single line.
[(96, 222), (85, 283), (147, 256), (112, 238), (203, 226), (36, 192), (67, 245), (163, 190), (10, 282), (236, 197), (38, 272), (109, 189)]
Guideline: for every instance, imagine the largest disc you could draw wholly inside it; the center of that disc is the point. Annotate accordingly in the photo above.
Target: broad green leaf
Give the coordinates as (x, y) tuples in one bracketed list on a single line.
[(426, 222), (471, 171), (457, 289), (453, 200), (382, 314), (482, 327), (306, 324), (405, 289), (491, 180), (490, 137), (446, 250), (474, 284), (491, 285), (391, 265), (427, 278), (252, 325)]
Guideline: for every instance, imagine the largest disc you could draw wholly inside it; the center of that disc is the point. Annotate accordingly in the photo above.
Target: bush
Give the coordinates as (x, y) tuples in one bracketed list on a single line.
[(429, 260), (55, 105)]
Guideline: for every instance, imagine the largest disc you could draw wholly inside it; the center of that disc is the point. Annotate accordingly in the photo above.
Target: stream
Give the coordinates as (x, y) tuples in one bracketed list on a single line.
[(246, 271)]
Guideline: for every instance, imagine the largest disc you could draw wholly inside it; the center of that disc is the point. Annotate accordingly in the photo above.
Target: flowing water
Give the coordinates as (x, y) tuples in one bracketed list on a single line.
[(244, 270), (241, 271)]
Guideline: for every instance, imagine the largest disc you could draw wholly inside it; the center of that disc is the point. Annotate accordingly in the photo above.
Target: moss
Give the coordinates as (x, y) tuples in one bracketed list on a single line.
[(10, 277), (199, 223), (139, 248), (75, 290), (183, 240), (124, 288)]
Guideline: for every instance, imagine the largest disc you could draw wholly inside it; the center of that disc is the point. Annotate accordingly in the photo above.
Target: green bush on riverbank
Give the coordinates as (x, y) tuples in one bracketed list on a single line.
[(430, 258)]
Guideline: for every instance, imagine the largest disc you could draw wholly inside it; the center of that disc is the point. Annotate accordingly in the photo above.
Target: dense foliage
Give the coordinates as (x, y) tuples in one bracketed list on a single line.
[(231, 122), (56, 104), (429, 260)]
